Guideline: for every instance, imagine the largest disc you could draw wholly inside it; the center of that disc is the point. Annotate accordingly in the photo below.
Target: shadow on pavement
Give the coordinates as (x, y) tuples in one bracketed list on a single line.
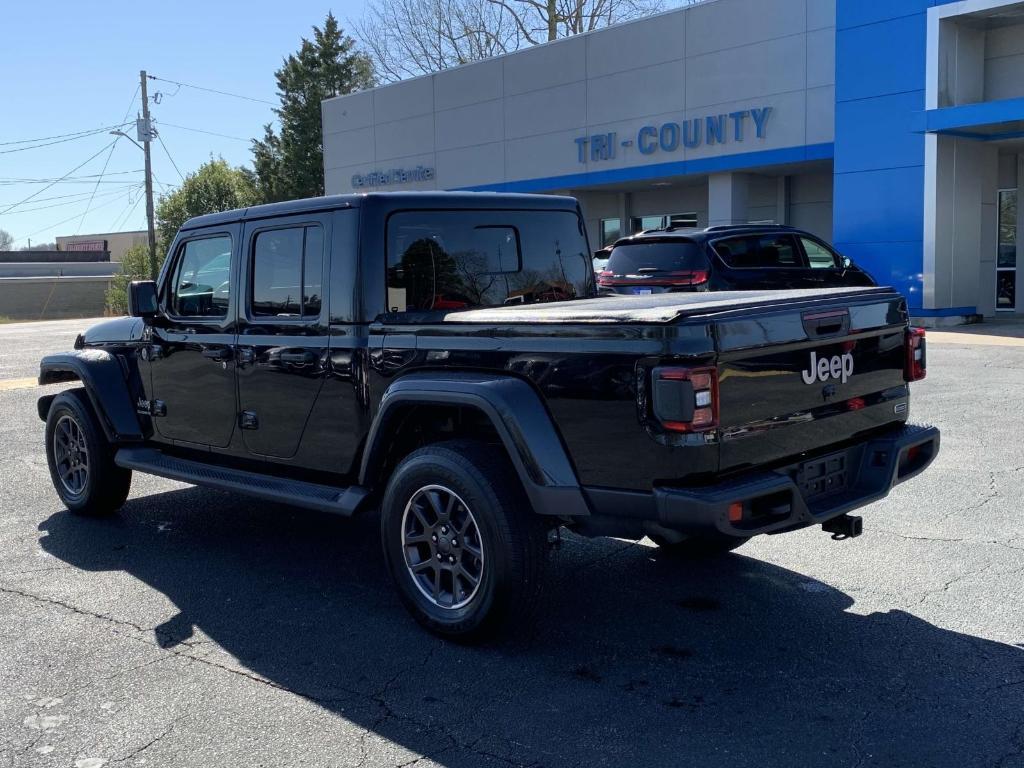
[(634, 660)]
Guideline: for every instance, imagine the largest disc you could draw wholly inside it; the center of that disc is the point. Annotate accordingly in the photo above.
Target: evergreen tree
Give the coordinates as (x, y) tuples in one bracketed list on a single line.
[(290, 164)]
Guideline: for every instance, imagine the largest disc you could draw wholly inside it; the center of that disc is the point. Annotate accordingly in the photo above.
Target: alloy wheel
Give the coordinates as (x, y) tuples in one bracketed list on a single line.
[(443, 549), (71, 455)]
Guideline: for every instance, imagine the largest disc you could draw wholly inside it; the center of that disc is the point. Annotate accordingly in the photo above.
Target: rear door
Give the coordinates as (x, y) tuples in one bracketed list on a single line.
[(766, 261), (282, 331), (812, 374)]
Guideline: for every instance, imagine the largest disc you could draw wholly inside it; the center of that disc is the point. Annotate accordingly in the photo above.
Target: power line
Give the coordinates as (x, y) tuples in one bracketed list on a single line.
[(211, 90), (54, 182), (61, 197), (122, 218), (10, 208), (61, 141), (62, 135), (167, 152), (97, 184), (84, 179), (200, 130), (81, 199), (130, 104), (71, 218)]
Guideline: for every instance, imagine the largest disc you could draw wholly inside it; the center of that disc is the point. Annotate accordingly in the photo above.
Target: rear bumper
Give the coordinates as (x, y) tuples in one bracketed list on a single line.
[(800, 494)]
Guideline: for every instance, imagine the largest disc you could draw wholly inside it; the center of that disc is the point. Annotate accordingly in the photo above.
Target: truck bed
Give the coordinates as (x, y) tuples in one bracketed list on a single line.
[(659, 308)]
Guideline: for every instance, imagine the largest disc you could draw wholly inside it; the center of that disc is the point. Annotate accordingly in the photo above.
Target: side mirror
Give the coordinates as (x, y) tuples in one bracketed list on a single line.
[(142, 298), (846, 262)]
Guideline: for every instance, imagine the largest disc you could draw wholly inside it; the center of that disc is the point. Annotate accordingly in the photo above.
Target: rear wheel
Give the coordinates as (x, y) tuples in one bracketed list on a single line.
[(711, 545), (461, 542), (81, 460)]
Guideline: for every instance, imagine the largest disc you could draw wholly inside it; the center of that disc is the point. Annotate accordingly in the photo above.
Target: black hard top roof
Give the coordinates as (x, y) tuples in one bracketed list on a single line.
[(396, 200), (702, 235)]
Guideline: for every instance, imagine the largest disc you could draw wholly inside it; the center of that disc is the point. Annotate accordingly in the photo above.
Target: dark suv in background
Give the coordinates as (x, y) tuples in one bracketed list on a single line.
[(724, 258)]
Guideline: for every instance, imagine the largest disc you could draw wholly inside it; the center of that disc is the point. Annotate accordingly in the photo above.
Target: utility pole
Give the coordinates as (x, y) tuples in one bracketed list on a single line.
[(146, 137)]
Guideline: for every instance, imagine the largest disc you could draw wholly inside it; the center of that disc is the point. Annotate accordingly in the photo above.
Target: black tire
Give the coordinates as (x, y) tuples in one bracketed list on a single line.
[(708, 546), (512, 540), (85, 477)]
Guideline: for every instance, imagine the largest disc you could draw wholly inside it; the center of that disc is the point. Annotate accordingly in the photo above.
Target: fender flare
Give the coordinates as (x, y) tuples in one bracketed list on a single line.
[(519, 417), (105, 384)]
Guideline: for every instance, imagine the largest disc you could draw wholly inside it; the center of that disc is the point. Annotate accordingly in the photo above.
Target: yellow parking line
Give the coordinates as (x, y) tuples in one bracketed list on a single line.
[(6, 384), (945, 337)]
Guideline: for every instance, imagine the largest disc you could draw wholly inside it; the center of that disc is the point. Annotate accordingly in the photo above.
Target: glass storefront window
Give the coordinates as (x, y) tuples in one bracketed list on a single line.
[(661, 221), (611, 230), (1006, 257)]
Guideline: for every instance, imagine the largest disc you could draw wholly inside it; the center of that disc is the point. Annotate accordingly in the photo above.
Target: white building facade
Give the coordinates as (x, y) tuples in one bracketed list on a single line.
[(894, 129)]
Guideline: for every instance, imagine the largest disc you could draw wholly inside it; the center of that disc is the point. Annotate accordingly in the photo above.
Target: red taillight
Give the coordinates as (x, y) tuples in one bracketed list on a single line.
[(669, 280), (686, 399), (916, 366), (688, 277)]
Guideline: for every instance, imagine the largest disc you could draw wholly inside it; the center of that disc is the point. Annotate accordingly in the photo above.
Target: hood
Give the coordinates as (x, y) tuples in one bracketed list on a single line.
[(118, 329)]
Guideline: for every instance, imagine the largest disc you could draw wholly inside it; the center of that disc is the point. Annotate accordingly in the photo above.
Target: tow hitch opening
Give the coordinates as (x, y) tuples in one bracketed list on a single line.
[(844, 527)]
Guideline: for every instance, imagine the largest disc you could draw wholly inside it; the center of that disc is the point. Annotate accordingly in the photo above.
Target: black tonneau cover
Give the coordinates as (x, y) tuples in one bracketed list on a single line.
[(655, 308)]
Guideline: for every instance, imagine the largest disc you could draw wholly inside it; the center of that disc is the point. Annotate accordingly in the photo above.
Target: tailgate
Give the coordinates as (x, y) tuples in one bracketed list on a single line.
[(814, 374)]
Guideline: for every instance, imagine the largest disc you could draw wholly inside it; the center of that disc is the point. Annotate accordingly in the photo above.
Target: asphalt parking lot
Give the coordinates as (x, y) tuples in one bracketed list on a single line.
[(200, 629)]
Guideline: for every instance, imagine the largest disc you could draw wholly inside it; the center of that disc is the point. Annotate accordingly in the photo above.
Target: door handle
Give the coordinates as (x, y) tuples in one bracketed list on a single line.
[(305, 357), (223, 353)]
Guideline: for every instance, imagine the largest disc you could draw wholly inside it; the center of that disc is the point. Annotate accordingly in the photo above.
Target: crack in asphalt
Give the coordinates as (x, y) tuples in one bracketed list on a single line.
[(136, 752), (378, 698), (946, 585), (980, 542), (68, 606)]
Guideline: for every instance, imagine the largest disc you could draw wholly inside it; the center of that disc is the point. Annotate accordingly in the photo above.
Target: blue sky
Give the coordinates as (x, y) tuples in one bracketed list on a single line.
[(71, 66)]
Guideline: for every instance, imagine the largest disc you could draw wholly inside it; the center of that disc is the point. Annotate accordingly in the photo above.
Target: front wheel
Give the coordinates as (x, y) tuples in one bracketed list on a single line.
[(460, 540), (81, 460)]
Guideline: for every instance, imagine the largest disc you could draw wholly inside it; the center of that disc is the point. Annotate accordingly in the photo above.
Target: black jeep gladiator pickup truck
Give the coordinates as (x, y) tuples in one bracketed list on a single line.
[(444, 359)]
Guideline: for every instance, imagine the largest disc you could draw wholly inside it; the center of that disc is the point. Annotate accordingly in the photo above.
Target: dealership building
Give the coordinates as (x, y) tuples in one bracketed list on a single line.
[(893, 128)]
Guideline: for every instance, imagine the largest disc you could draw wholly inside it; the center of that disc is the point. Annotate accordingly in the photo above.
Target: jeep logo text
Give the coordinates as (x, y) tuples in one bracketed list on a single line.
[(825, 368)]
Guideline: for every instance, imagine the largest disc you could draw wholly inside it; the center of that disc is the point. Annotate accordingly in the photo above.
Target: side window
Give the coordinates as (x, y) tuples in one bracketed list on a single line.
[(202, 283), (452, 260), (759, 252), (287, 272), (818, 256)]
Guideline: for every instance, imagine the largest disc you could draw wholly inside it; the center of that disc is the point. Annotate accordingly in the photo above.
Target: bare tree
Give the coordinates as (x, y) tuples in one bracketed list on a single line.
[(406, 38), (6, 240)]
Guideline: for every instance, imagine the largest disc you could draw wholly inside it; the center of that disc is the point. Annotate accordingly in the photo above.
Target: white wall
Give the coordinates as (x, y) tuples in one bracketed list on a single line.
[(516, 117), (810, 203), (1004, 63)]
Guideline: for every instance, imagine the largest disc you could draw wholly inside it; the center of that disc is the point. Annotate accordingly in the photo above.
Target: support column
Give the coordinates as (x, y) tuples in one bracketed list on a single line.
[(782, 201), (960, 180), (625, 212), (728, 195)]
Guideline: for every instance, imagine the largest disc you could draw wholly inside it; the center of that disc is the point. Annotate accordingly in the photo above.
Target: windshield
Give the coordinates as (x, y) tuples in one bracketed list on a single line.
[(641, 258)]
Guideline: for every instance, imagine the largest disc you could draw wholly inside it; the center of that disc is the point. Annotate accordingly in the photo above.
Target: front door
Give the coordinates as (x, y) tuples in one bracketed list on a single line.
[(824, 266), (282, 332), (191, 349)]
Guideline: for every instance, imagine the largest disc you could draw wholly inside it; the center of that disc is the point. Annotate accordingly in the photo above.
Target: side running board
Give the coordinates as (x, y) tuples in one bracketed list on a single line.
[(324, 498)]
